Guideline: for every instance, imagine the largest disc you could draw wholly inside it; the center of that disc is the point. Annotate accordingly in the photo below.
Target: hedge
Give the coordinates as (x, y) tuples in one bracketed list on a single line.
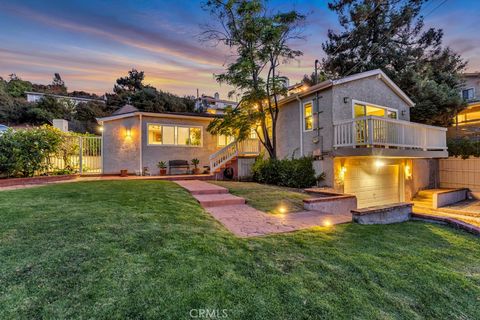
[(463, 147)]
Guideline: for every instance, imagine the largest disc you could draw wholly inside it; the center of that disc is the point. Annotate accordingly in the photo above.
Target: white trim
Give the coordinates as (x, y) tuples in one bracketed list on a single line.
[(153, 115), (303, 115), (175, 134), (374, 105), (141, 144)]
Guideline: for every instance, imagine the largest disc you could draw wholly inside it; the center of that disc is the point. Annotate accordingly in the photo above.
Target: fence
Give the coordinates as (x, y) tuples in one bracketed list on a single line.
[(458, 173), (81, 155)]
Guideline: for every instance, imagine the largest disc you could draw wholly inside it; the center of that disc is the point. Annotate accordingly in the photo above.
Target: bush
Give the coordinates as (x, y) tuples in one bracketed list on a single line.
[(463, 148), (25, 152), (294, 173)]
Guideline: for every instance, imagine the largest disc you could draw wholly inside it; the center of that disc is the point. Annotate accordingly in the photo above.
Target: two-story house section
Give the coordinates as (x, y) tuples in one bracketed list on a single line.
[(358, 128), (467, 122)]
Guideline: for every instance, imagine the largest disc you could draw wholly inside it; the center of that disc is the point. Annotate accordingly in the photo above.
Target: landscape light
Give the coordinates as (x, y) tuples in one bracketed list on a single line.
[(327, 223), (282, 209)]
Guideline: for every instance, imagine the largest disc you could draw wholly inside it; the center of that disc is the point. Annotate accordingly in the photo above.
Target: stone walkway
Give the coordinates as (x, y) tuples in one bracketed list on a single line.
[(245, 221)]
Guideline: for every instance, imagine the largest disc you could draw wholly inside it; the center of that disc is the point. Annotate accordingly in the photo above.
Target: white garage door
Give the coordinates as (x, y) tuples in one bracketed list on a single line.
[(372, 185)]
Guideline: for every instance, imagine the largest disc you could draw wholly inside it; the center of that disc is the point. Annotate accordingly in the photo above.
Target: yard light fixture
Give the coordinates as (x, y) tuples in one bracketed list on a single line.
[(327, 223), (282, 209)]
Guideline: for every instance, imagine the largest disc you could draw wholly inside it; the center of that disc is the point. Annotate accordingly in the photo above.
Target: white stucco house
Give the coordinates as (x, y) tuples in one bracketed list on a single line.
[(357, 128)]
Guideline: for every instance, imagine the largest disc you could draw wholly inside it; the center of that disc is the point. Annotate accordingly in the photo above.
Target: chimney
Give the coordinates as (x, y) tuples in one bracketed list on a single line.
[(217, 96)]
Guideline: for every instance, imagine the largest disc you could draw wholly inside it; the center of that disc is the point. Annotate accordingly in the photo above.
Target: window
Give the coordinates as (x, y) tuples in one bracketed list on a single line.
[(174, 135), (223, 140), (307, 117), (468, 94), (362, 110)]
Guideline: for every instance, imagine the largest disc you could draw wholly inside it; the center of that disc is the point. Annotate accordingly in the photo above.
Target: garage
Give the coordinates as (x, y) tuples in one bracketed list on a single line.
[(374, 182)]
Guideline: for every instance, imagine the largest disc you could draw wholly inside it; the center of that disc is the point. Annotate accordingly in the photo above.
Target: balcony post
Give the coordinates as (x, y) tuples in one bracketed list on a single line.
[(370, 131), (424, 139)]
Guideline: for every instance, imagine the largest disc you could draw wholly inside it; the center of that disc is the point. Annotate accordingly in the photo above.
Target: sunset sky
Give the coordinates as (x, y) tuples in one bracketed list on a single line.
[(92, 43)]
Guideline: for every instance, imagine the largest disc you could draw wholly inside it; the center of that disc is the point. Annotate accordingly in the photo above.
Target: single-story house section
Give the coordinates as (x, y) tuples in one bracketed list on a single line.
[(134, 140)]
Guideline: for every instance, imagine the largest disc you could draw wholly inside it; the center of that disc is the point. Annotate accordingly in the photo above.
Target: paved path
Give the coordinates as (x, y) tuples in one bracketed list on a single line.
[(245, 221)]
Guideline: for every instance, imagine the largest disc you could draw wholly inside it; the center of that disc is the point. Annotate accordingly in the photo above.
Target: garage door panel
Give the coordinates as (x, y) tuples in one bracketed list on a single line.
[(373, 186)]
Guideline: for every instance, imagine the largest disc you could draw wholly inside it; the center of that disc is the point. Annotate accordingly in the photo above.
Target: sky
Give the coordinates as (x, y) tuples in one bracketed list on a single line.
[(92, 43)]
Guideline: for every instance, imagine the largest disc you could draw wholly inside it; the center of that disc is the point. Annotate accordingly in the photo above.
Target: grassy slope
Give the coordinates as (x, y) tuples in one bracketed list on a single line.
[(265, 197), (145, 249)]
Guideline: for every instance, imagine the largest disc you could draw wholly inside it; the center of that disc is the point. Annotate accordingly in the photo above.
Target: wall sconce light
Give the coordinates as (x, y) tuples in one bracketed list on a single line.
[(403, 112), (343, 171), (408, 172), (128, 133), (100, 128), (345, 99), (379, 163)]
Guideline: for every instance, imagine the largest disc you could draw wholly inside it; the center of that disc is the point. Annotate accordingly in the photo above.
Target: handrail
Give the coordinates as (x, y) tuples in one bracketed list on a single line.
[(233, 149), (408, 123)]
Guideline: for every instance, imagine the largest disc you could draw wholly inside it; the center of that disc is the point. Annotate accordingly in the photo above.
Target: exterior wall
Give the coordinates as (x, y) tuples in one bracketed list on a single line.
[(424, 176), (152, 154), (458, 173), (119, 151), (290, 124), (372, 90)]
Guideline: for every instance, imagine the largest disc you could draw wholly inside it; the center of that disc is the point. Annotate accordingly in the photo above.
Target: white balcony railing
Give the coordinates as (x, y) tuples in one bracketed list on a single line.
[(374, 131)]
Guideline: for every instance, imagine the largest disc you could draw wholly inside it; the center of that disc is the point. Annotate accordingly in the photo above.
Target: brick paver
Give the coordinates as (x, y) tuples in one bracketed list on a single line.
[(245, 221)]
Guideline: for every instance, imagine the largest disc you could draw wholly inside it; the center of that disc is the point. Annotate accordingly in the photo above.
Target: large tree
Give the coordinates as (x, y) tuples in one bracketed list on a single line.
[(390, 35), (260, 40)]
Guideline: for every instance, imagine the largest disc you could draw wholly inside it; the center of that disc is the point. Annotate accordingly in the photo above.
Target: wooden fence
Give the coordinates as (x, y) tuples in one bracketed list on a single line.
[(458, 173)]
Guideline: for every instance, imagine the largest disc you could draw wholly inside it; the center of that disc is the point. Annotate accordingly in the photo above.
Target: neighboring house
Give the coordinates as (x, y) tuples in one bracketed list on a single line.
[(37, 96), (133, 140), (467, 122), (213, 105), (357, 129)]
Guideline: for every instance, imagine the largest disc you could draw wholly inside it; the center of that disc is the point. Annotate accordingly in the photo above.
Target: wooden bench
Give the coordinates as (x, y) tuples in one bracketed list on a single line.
[(178, 164)]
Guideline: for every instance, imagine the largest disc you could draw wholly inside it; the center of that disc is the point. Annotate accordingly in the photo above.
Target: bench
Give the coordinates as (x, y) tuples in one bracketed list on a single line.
[(391, 213), (178, 164)]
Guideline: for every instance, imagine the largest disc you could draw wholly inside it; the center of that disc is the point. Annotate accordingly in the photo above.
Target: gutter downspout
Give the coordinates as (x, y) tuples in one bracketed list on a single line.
[(141, 145), (300, 107)]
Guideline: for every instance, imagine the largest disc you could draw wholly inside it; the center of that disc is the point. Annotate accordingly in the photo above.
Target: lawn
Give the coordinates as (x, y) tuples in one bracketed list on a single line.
[(265, 197), (146, 250)]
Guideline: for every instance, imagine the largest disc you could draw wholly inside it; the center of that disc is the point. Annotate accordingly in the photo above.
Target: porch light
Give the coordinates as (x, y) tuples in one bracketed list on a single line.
[(128, 133), (100, 128), (379, 163), (343, 171), (408, 172)]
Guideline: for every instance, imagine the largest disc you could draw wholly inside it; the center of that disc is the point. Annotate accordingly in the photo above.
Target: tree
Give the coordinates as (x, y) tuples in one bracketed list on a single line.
[(57, 86), (390, 35), (132, 83), (16, 87), (310, 80), (260, 40)]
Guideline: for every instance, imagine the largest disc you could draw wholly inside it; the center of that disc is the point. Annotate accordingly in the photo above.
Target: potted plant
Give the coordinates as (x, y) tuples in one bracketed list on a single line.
[(124, 173), (195, 163), (162, 165)]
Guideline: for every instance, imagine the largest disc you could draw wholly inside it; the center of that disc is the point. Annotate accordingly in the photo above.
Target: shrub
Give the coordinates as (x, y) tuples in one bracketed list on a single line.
[(294, 173), (463, 148), (25, 152)]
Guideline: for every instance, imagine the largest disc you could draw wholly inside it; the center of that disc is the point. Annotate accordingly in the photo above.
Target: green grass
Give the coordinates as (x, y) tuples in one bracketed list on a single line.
[(266, 197), (146, 250)]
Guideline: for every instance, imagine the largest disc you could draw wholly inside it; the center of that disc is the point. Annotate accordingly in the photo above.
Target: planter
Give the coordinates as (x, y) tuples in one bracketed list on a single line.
[(163, 172), (123, 173), (196, 171)]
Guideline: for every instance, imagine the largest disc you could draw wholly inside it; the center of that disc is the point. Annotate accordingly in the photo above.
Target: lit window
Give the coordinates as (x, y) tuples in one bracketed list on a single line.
[(174, 135), (308, 117), (468, 94), (392, 114), (223, 140)]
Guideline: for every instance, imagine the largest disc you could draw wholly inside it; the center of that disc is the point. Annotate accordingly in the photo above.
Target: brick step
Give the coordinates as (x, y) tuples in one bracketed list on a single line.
[(217, 200)]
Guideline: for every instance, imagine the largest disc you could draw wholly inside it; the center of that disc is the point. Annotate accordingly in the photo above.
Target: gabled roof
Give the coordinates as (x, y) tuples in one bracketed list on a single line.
[(125, 109), (330, 83)]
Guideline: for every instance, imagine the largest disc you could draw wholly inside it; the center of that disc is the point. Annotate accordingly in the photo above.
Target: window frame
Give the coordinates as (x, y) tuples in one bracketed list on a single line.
[(175, 133), (304, 118), (467, 89), (365, 104)]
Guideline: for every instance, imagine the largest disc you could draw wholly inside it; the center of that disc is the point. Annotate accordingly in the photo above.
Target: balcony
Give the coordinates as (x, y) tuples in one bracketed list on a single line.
[(404, 138)]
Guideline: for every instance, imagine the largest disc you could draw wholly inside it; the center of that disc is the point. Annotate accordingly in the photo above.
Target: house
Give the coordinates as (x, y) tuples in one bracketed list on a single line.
[(358, 128), (213, 105), (134, 140), (37, 96), (467, 122)]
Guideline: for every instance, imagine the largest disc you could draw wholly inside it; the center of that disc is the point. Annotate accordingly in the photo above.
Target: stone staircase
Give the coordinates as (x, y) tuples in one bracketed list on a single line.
[(209, 195), (424, 199)]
